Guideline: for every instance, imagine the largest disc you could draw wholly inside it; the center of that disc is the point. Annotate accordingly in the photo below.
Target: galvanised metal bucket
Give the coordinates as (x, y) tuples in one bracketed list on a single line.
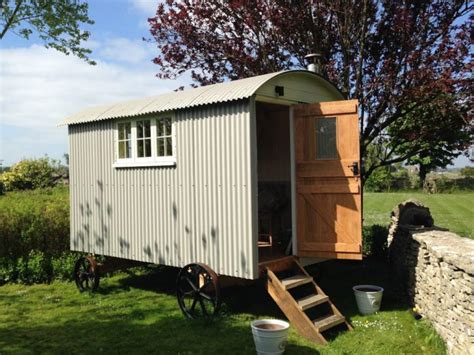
[(368, 298)]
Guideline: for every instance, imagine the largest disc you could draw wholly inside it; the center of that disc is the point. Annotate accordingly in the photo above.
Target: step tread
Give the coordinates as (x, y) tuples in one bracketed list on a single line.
[(326, 322), (295, 281), (311, 301)]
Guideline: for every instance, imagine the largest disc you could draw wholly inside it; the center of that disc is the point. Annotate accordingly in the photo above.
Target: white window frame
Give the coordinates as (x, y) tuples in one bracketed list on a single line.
[(154, 160)]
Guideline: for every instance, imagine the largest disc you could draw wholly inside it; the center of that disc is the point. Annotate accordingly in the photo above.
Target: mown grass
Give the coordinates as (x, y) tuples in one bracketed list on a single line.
[(138, 313), (453, 211)]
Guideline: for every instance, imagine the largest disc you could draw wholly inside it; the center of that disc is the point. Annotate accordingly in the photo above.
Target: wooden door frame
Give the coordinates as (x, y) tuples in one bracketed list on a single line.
[(294, 232)]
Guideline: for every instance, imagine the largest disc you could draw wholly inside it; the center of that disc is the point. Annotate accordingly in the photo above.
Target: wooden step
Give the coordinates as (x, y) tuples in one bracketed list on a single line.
[(295, 281), (326, 322), (294, 309), (311, 301)]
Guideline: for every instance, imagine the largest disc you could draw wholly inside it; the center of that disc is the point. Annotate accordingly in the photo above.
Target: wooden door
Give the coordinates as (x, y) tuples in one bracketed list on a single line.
[(328, 185)]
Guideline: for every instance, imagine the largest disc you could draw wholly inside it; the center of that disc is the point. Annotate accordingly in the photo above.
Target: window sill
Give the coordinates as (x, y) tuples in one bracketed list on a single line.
[(144, 164)]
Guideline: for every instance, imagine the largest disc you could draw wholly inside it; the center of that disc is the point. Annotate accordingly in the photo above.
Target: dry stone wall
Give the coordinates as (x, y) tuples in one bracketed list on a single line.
[(434, 269)]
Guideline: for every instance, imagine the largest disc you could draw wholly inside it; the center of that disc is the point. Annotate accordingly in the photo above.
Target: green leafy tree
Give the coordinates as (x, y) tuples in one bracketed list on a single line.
[(436, 134), (31, 174), (55, 22)]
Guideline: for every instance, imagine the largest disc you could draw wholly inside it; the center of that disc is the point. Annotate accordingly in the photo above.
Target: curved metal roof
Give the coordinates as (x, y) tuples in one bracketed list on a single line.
[(205, 95)]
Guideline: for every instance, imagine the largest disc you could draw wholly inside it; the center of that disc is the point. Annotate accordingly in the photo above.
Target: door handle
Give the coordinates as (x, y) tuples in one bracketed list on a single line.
[(354, 167)]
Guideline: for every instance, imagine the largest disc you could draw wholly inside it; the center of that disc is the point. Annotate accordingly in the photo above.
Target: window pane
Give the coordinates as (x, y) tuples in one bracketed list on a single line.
[(169, 150), (148, 147), (140, 150), (121, 131), (159, 128), (326, 144), (167, 126), (125, 150), (140, 129), (122, 150), (125, 130), (144, 148), (143, 129), (147, 128), (161, 147)]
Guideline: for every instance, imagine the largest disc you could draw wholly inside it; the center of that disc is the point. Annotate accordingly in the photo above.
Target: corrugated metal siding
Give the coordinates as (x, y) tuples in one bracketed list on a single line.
[(198, 211), (223, 92), (210, 94)]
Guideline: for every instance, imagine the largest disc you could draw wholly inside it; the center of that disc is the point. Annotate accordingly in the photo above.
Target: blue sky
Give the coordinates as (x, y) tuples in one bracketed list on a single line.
[(39, 87)]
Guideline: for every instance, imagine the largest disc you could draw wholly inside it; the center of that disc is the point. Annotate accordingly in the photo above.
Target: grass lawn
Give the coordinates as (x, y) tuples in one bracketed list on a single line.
[(138, 313), (453, 211)]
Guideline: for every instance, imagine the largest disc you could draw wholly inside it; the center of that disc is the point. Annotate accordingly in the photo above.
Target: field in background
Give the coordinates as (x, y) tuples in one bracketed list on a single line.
[(454, 211)]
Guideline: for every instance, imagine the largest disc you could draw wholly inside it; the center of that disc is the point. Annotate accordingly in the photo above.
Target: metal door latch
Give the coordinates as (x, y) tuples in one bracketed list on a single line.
[(355, 168)]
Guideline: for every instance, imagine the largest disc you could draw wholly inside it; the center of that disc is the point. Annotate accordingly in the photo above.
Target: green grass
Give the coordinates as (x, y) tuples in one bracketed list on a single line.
[(452, 211), (139, 314)]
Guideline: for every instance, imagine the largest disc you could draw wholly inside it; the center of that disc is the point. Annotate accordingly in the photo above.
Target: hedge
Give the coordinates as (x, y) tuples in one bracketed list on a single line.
[(34, 235)]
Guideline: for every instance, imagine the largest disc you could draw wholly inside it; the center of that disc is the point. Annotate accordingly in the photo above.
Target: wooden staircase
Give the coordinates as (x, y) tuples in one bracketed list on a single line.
[(305, 305)]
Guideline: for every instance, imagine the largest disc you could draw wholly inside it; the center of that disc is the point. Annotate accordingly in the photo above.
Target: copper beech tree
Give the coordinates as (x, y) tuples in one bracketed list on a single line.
[(407, 62)]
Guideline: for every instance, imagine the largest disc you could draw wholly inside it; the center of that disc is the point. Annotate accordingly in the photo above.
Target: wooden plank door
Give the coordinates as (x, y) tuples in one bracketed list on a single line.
[(328, 185)]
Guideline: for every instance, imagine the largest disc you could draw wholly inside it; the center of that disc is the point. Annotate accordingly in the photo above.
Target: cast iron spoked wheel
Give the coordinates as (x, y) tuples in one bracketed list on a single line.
[(86, 274), (198, 291)]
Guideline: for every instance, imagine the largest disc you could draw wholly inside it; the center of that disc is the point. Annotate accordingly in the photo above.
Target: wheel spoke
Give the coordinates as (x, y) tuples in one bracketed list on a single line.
[(193, 304), (203, 307), (207, 297), (191, 283)]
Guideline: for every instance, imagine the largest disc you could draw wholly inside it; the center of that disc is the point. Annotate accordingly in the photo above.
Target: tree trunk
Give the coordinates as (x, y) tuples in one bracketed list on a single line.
[(422, 175)]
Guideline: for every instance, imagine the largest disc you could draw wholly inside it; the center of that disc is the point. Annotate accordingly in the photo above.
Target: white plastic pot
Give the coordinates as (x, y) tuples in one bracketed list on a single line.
[(368, 298), (270, 336)]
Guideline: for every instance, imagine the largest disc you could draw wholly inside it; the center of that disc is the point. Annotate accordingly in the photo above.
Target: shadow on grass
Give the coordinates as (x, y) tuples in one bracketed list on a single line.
[(336, 278), (127, 333)]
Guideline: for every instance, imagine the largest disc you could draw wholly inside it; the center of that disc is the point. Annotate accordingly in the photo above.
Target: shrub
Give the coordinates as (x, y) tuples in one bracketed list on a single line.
[(380, 180), (442, 184), (31, 174), (467, 171), (374, 241), (34, 268), (34, 236), (63, 265), (38, 267), (34, 220)]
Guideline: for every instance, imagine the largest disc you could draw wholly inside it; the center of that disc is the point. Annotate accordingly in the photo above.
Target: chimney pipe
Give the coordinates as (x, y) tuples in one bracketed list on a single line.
[(314, 62)]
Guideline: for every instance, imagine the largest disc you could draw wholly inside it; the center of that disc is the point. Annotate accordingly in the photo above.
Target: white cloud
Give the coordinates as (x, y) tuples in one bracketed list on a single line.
[(127, 51), (40, 87), (146, 6)]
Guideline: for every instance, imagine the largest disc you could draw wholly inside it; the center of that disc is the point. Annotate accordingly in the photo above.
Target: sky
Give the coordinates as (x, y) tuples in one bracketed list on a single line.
[(39, 87)]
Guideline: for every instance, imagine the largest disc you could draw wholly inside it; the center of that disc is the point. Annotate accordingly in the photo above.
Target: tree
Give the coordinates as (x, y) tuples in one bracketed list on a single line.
[(439, 135), (396, 58), (57, 23)]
